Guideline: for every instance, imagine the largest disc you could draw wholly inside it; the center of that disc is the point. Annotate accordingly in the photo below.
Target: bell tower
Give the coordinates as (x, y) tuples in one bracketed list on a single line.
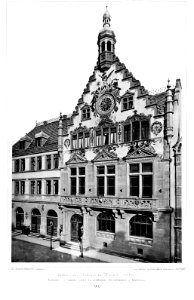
[(106, 44)]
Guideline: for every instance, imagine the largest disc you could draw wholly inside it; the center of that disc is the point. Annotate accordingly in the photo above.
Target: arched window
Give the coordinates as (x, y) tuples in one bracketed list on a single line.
[(108, 46), (19, 218), (103, 46), (106, 222), (141, 225), (35, 220)]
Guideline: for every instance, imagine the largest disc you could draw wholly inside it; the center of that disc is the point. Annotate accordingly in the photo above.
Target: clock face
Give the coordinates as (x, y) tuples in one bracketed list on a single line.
[(105, 104)]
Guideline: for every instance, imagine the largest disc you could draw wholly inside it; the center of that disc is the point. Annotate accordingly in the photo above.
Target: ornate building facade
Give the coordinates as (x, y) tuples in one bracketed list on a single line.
[(118, 169)]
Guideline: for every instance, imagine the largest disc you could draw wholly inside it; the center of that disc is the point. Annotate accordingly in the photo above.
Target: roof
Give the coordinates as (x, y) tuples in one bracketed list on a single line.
[(51, 143)]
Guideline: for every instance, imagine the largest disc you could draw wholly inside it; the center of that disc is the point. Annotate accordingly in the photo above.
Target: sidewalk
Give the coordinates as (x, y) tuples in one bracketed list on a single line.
[(91, 253)]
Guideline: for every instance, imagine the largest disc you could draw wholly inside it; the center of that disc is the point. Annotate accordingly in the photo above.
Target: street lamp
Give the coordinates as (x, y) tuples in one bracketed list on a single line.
[(51, 228)]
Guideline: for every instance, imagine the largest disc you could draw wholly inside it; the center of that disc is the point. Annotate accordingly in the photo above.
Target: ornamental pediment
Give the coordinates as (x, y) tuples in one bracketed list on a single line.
[(140, 152), (76, 158), (105, 156)]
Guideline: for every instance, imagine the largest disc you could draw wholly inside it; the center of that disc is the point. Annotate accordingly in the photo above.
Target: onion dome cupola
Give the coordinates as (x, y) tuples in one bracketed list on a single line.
[(106, 44)]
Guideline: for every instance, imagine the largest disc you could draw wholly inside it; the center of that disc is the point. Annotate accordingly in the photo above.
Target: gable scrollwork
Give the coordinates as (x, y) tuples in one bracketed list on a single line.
[(142, 149), (105, 155), (80, 129), (76, 158), (136, 117)]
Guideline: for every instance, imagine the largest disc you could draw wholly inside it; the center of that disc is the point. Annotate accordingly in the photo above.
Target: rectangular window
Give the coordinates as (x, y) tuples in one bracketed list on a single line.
[(147, 186), (32, 164), (127, 133), (100, 170), (134, 168), (80, 140), (22, 187), (32, 187), (110, 185), (22, 165), (73, 171), (134, 186), (141, 180), (87, 139), (17, 165), (135, 131), (110, 169), (39, 187), (144, 130), (100, 186), (73, 185), (38, 142), (105, 136), (106, 180), (56, 187), (127, 103), (74, 141), (113, 135), (39, 162), (98, 137), (48, 187), (17, 187), (48, 162), (56, 161), (81, 185), (77, 181), (86, 114)]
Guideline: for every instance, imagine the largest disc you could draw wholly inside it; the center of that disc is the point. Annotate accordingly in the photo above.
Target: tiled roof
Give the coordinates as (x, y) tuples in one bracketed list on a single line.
[(51, 144)]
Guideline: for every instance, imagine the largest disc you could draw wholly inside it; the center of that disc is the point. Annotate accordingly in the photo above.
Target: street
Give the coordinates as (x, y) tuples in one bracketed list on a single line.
[(23, 251)]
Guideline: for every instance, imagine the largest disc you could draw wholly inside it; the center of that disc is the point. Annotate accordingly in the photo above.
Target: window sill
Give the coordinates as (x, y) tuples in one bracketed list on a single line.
[(105, 235), (127, 109), (141, 240)]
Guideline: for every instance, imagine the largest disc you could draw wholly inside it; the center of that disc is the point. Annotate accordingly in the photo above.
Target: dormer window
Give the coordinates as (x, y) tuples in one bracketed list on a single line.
[(40, 139), (86, 113), (24, 142), (38, 142)]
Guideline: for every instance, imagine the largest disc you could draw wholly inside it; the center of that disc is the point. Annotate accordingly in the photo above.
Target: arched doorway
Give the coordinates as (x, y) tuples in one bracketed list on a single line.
[(76, 223), (52, 216), (35, 221), (19, 218)]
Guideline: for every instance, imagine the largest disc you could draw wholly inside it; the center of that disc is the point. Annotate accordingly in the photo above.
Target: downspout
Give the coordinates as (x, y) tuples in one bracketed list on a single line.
[(169, 135)]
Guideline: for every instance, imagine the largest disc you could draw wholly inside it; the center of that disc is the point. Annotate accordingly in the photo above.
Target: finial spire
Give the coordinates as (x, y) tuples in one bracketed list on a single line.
[(168, 85), (106, 18)]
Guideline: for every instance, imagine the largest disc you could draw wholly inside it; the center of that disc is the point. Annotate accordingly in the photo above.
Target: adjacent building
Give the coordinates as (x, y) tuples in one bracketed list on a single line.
[(113, 166)]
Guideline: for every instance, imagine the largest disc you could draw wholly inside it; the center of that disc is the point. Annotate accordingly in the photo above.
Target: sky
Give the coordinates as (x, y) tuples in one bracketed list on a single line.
[(51, 50)]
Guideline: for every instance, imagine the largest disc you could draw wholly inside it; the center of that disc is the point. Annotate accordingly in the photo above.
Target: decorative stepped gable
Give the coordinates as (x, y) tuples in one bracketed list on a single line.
[(105, 156), (76, 158)]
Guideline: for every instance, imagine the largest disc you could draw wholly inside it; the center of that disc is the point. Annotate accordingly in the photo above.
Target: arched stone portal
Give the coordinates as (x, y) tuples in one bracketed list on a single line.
[(76, 223), (52, 216)]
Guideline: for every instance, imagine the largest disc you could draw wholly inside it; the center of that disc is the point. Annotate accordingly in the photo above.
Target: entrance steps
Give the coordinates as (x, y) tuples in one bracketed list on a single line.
[(71, 246)]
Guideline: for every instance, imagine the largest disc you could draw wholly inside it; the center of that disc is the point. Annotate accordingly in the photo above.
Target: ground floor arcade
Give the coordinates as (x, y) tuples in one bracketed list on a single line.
[(144, 234)]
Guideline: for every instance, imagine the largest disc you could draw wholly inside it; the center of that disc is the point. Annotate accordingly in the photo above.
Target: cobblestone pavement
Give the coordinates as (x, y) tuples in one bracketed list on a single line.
[(23, 251)]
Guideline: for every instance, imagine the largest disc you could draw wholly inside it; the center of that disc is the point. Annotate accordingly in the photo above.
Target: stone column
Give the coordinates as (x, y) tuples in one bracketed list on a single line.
[(65, 234), (85, 226), (43, 225)]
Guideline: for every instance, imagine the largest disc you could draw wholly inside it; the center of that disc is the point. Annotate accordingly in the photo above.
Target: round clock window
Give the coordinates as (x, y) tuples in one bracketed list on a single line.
[(105, 104)]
